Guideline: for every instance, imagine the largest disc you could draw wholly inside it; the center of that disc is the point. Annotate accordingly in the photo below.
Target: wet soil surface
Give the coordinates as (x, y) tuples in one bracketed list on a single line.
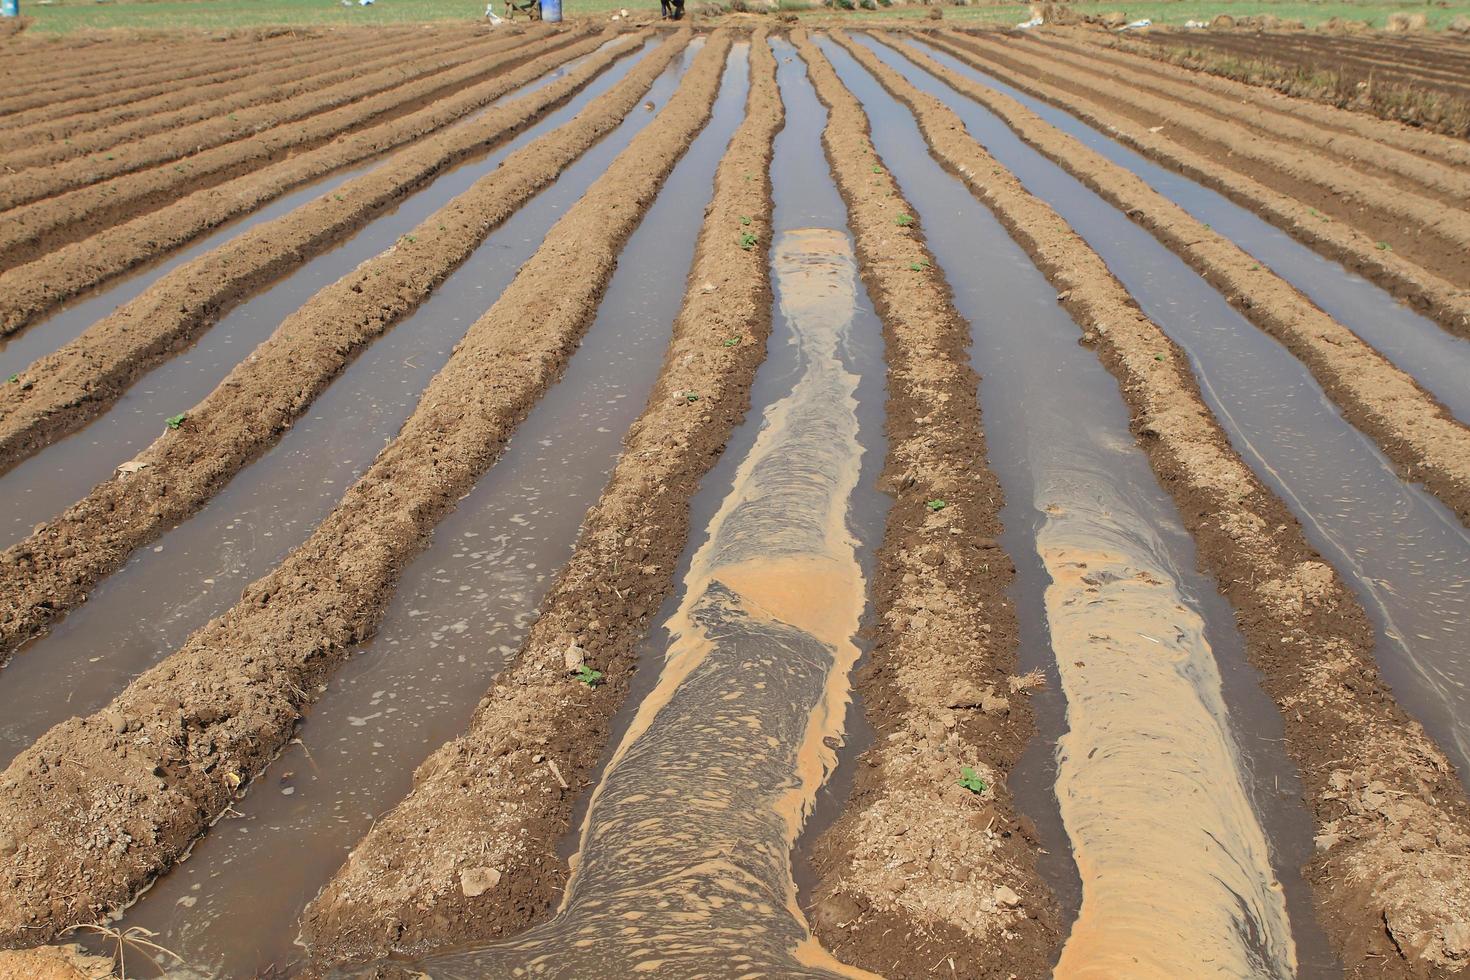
[(462, 607), (1126, 619), (195, 571)]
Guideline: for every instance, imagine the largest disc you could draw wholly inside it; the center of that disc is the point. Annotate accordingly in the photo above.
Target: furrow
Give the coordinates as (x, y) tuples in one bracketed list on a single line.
[(42, 101), (946, 564), (1373, 156), (1424, 230), (51, 143), (380, 73), (34, 289), (464, 795), (84, 378), (38, 228), (250, 409), (204, 731), (1402, 138), (1409, 425), (1304, 630), (1446, 303)]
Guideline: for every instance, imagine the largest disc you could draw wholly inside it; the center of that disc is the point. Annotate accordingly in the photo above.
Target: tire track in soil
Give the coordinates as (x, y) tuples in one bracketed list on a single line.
[(204, 731), (377, 72), (43, 146), (85, 377), (1449, 185), (267, 392), (1422, 229), (163, 593), (941, 612), (472, 790), (39, 228), (33, 289), (1440, 299), (463, 606), (1410, 425), (1393, 823)]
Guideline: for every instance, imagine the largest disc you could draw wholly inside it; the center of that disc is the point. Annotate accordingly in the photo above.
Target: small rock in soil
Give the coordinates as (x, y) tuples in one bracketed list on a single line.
[(475, 882)]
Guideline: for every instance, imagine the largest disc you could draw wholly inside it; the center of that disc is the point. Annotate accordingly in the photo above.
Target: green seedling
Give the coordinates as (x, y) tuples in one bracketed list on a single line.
[(691, 397), (410, 239), (1385, 247), (732, 341), (14, 379), (174, 421), (1158, 357), (904, 220), (337, 196), (1255, 266), (971, 780), (745, 219), (877, 169), (748, 240), (915, 267), (589, 676), (936, 505)]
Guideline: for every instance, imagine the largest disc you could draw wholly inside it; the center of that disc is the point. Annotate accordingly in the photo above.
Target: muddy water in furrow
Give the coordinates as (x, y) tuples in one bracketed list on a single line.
[(1181, 812), (461, 609), (67, 323), (1402, 551), (166, 591), (40, 486), (1438, 360), (684, 864)]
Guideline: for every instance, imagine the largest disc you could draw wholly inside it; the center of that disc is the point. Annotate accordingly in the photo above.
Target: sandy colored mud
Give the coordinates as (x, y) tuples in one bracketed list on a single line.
[(1419, 228), (147, 775), (53, 963), (489, 798), (84, 378), (35, 229), (1437, 297), (29, 291), (34, 179), (45, 144), (54, 568), (1393, 823), (1409, 424), (888, 867)]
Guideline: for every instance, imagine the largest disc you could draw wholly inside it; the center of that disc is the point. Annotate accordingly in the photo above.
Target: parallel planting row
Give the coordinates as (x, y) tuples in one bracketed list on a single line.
[(479, 435)]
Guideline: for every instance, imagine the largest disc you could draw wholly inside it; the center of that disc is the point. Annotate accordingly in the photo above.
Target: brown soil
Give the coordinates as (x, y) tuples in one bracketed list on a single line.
[(1409, 424), (37, 228), (1417, 141), (1414, 83), (1400, 168), (1419, 228), (59, 95), (919, 871), (1447, 303), (37, 287), (53, 963), (1390, 881), (84, 378), (50, 143), (102, 805), (54, 568), (25, 131), (31, 179), (488, 797)]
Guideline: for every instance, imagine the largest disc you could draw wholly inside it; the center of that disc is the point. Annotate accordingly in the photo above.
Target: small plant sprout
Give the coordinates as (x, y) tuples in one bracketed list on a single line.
[(904, 220), (1158, 357), (589, 676), (691, 397), (877, 169), (971, 780), (732, 341), (745, 219), (175, 421), (915, 267), (14, 379), (936, 505), (1385, 247), (748, 240)]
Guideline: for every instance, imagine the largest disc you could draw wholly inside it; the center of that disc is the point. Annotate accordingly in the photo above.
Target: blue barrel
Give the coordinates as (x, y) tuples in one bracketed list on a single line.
[(11, 8), (550, 10)]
